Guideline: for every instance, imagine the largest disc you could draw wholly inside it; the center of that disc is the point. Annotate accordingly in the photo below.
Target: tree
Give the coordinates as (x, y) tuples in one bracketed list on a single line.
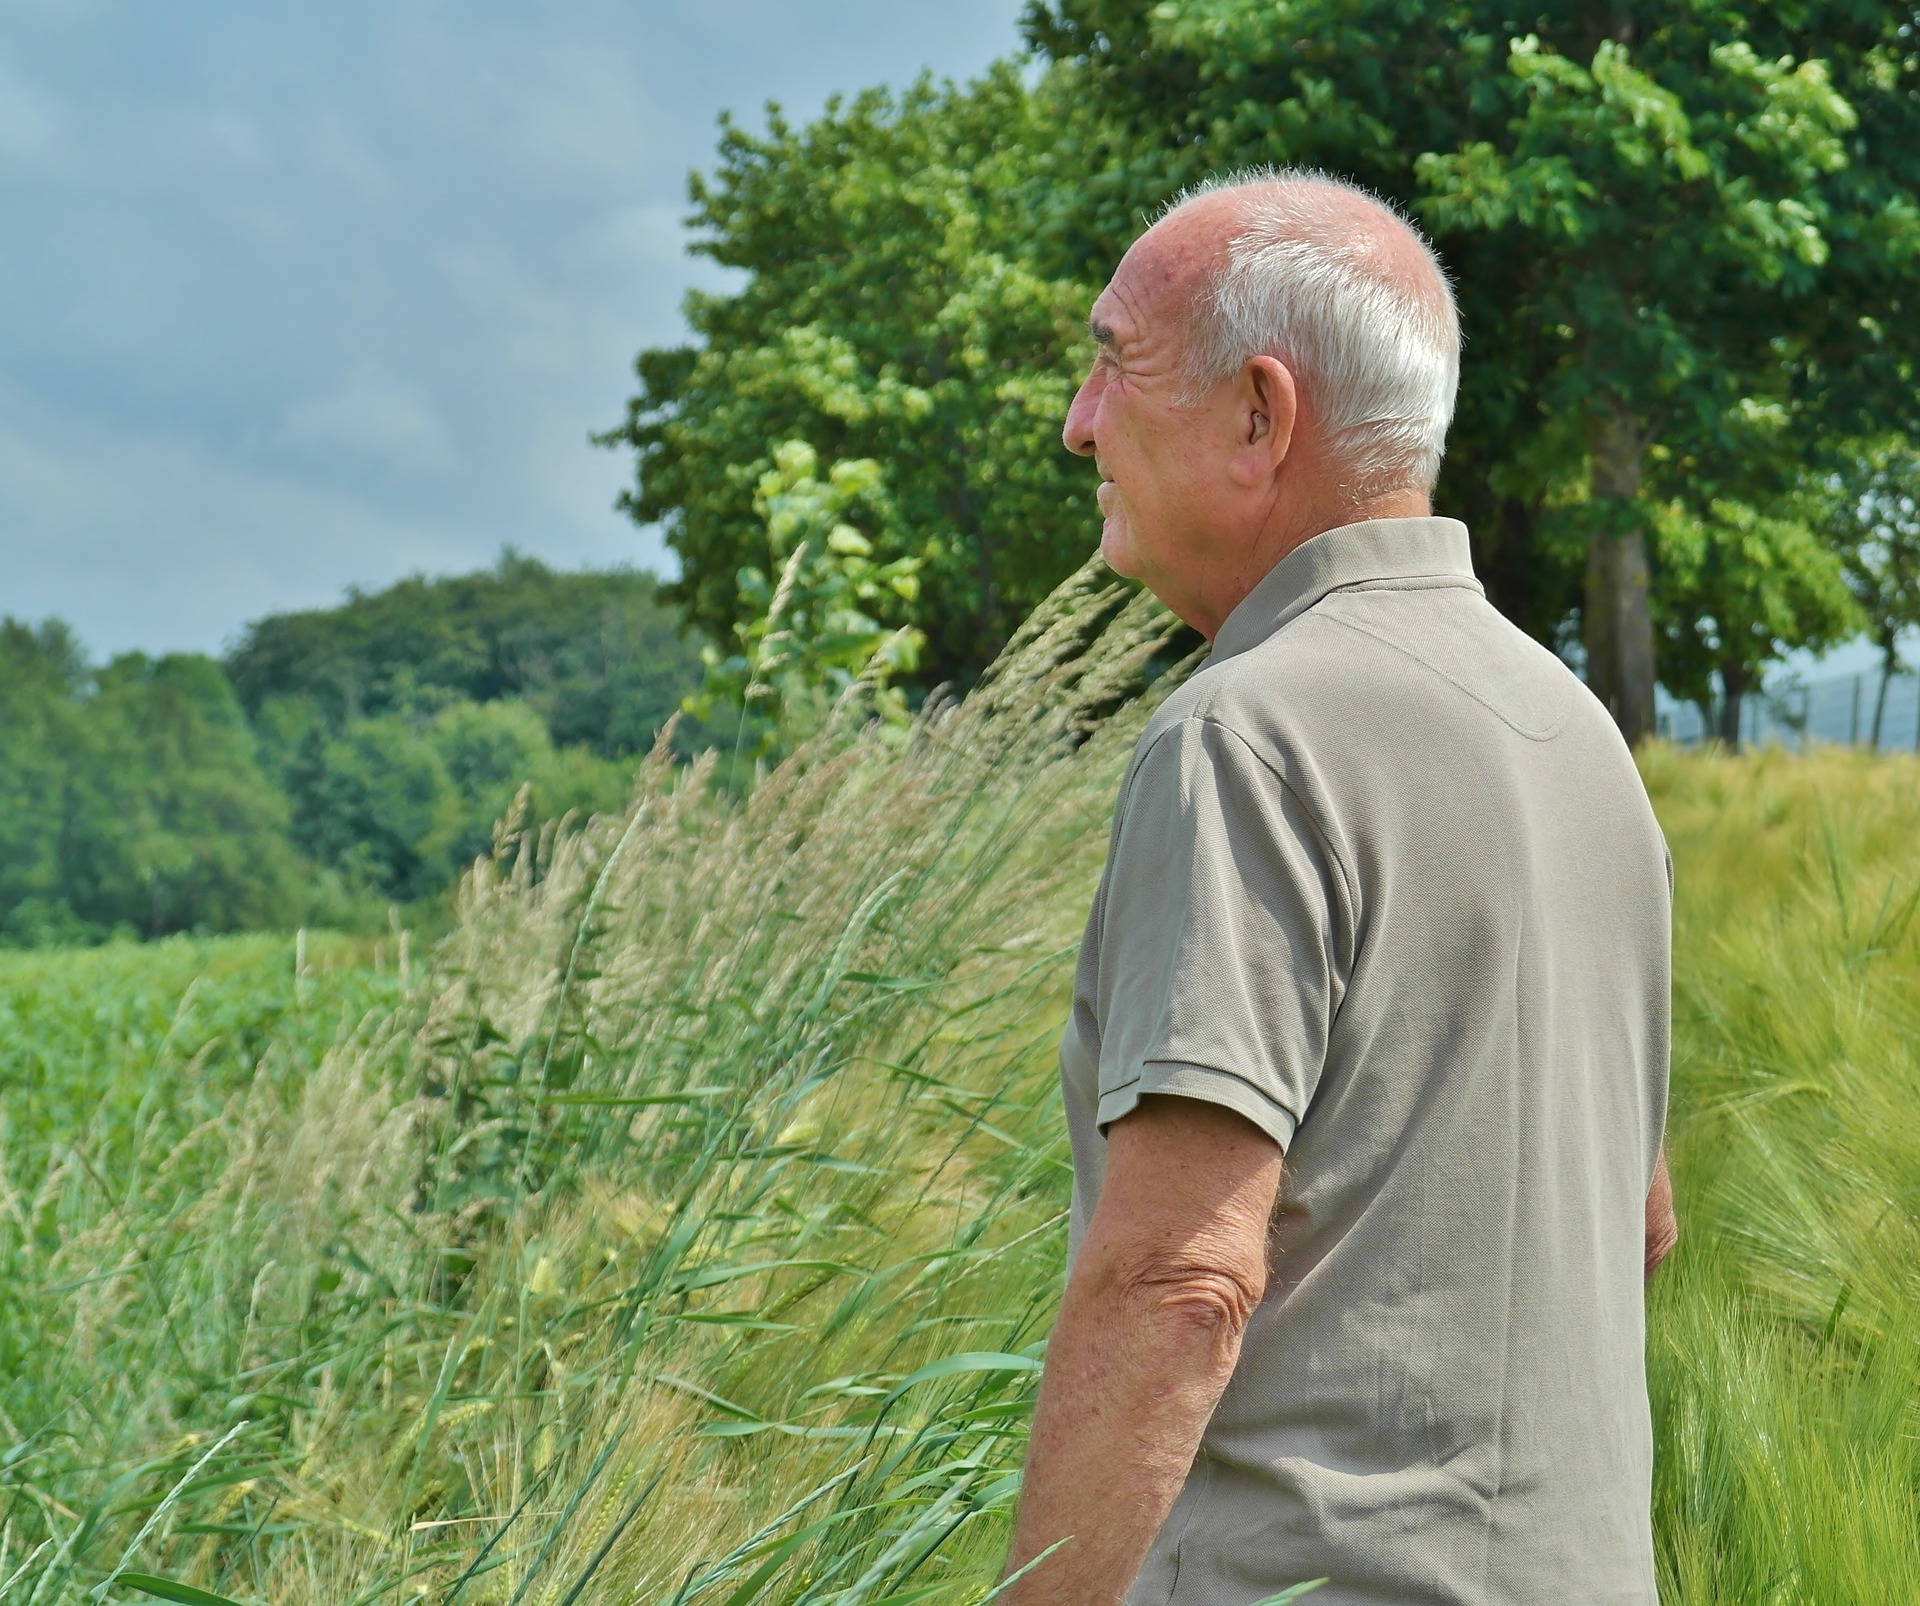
[(493, 750), (402, 723), (143, 798), (1739, 587), (892, 310), (170, 824), (1683, 240), (816, 614), (598, 655), (399, 804), (1671, 230), (131, 798), (375, 803), (42, 671), (1877, 519)]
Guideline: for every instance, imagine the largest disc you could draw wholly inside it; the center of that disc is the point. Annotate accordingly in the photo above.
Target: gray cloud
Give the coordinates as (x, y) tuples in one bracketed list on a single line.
[(309, 295), (375, 416)]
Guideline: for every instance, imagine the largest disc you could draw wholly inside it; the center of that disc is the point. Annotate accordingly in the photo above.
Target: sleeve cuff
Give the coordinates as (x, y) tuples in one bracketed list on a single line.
[(1200, 1082)]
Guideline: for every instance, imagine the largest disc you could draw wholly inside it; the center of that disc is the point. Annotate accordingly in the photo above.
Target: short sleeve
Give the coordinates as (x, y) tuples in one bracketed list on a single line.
[(1218, 972)]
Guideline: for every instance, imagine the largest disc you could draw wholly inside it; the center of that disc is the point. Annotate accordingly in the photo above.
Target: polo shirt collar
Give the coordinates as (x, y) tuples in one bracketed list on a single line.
[(1422, 552)]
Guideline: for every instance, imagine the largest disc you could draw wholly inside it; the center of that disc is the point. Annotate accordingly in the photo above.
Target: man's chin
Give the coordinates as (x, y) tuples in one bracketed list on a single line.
[(1117, 549)]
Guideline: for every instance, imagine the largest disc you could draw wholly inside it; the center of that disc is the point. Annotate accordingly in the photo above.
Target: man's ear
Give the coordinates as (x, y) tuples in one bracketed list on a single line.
[(1266, 409)]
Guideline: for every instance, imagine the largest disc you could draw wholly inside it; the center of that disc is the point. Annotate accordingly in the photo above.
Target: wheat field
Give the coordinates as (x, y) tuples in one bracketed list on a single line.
[(685, 1228)]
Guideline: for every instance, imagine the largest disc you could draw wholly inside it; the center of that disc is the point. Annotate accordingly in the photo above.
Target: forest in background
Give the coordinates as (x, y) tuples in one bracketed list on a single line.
[(333, 764)]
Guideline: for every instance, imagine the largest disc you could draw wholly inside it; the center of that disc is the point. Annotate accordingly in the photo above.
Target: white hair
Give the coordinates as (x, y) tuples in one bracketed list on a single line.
[(1375, 350)]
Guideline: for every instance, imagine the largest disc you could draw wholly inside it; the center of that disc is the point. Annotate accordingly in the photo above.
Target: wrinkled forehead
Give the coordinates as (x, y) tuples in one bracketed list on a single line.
[(1152, 291)]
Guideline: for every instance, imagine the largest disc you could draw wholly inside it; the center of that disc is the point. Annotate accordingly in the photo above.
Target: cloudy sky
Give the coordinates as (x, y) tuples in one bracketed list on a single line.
[(300, 296)]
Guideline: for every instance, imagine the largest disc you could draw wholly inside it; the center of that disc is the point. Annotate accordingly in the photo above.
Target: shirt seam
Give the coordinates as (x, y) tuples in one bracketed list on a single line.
[(1348, 884), (1133, 772), (1425, 580), (1545, 733), (1212, 1070), (1193, 1510)]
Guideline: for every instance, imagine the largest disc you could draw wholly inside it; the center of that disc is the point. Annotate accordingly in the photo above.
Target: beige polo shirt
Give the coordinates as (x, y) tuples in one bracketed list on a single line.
[(1383, 879)]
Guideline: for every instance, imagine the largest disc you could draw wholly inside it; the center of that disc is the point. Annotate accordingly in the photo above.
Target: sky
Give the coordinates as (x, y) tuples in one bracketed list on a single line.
[(303, 296)]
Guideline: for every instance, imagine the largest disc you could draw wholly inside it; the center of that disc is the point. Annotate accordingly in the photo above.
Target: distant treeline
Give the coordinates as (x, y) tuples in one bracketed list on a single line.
[(335, 762)]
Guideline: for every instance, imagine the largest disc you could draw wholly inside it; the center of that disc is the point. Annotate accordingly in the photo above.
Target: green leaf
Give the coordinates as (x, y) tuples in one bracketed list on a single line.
[(961, 1365), (906, 1597), (1295, 1593), (714, 1276), (689, 1095), (737, 1318), (169, 1589), (780, 1554)]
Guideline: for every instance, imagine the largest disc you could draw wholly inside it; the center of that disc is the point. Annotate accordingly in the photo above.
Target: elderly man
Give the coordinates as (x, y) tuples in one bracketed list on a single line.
[(1366, 1074)]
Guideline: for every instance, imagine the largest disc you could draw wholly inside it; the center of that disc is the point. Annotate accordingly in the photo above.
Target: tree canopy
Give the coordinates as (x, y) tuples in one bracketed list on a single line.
[(341, 759), (1876, 522), (1684, 241), (894, 310), (131, 797), (597, 653)]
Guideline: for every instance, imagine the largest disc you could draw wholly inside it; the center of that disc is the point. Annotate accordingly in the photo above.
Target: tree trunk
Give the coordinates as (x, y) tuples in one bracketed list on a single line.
[(1889, 662), (1735, 682), (1619, 613), (1521, 582)]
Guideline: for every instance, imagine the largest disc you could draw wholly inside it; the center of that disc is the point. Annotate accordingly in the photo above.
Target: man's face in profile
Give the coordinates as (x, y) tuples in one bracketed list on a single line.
[(1128, 415)]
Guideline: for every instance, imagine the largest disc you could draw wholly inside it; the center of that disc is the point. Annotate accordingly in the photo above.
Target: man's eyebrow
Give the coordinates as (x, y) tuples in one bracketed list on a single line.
[(1103, 335)]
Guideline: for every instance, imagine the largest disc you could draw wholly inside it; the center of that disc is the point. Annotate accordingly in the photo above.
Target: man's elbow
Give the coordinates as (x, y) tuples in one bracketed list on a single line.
[(1661, 1238), (1209, 1303), (1663, 1227), (1177, 1248)]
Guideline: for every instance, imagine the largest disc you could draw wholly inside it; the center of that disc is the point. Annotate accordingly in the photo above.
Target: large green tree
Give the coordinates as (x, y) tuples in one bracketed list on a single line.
[(1875, 500), (42, 672), (397, 805), (168, 821), (1684, 239), (894, 308), (131, 797), (1740, 587)]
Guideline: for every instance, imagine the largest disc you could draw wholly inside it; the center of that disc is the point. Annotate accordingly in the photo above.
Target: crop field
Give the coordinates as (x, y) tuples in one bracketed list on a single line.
[(685, 1228)]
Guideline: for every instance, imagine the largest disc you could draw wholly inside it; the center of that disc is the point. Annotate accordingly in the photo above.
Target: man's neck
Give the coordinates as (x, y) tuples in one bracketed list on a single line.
[(1278, 540)]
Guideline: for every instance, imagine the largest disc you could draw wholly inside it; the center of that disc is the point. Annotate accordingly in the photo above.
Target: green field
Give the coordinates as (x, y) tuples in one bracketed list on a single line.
[(688, 1227)]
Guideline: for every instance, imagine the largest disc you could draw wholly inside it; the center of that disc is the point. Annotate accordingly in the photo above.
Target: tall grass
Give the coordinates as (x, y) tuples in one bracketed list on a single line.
[(1785, 1348), (689, 1231)]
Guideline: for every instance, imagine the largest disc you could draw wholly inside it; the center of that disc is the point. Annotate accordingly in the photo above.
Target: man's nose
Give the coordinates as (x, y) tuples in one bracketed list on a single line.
[(1077, 432)]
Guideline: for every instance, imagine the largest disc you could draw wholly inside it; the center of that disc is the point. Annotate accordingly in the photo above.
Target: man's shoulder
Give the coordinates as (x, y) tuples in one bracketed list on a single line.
[(1363, 653), (1234, 700), (1373, 697), (1287, 689), (1446, 644)]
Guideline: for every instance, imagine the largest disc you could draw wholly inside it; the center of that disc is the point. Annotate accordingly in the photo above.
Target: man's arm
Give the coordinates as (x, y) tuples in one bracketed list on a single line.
[(1173, 1264), (1663, 1230)]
